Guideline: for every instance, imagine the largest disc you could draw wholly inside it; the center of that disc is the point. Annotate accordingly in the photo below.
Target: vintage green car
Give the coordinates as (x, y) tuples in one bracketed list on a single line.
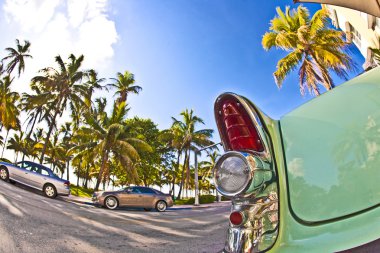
[(309, 182)]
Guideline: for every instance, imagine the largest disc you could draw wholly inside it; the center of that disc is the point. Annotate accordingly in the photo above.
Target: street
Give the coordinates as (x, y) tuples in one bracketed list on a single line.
[(30, 222)]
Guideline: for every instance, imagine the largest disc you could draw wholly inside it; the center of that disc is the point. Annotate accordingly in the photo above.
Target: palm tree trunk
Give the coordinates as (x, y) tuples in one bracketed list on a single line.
[(104, 160), (78, 178), (52, 125), (5, 143), (174, 172), (188, 175), (67, 169), (122, 98), (183, 176), (16, 157), (31, 129), (86, 176)]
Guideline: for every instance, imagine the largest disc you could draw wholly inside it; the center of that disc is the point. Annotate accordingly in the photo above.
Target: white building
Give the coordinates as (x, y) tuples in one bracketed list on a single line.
[(361, 28)]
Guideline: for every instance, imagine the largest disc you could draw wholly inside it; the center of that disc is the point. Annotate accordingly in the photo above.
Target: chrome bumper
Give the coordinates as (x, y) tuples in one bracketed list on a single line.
[(260, 230)]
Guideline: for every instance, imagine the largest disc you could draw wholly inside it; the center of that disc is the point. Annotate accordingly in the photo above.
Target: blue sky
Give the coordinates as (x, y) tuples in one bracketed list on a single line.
[(186, 53), (183, 53)]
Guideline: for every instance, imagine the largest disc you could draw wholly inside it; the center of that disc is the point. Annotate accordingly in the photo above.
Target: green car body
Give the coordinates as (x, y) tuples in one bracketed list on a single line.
[(326, 159)]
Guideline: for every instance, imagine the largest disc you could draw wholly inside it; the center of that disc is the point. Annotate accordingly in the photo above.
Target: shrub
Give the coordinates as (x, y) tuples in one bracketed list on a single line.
[(203, 199)]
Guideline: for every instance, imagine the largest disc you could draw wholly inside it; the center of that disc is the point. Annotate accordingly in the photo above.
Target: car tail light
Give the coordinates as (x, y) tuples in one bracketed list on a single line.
[(67, 183), (236, 218), (236, 126)]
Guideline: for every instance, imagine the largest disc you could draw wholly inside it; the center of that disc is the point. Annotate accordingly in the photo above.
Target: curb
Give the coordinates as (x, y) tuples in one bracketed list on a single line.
[(73, 200)]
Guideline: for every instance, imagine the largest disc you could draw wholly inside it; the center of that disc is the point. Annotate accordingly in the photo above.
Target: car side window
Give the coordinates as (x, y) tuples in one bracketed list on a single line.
[(22, 165), (135, 190), (146, 190), (34, 169), (29, 167), (45, 172)]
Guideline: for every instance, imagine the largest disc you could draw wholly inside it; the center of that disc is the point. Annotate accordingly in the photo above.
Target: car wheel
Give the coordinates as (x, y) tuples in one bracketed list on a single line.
[(50, 191), (111, 203), (161, 206), (4, 174)]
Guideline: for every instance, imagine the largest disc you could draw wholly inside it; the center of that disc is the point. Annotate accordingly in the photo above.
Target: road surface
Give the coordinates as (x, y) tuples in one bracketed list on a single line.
[(30, 222)]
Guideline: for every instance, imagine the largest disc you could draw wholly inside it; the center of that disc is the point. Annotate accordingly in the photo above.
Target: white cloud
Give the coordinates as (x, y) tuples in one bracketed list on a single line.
[(58, 27), (61, 27), (32, 16)]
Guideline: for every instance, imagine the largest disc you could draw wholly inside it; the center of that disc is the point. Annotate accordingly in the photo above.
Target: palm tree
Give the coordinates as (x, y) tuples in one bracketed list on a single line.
[(66, 144), (63, 88), (8, 110), (311, 45), (93, 83), (19, 144), (124, 83), (56, 154), (83, 159), (36, 106), (110, 139), (1, 69), (174, 136), (192, 139), (206, 167), (17, 57)]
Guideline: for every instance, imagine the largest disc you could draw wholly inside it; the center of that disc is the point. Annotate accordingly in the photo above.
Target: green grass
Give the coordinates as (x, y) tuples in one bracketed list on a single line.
[(80, 191)]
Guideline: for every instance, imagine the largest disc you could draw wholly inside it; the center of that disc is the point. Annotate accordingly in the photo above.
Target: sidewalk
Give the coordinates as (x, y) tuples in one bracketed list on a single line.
[(88, 201)]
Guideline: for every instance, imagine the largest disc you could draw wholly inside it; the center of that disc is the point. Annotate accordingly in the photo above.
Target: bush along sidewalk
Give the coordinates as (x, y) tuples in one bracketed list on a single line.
[(81, 191), (203, 199)]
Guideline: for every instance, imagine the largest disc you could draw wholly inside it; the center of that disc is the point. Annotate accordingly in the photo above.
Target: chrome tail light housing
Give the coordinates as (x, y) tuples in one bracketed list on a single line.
[(241, 174), (246, 173)]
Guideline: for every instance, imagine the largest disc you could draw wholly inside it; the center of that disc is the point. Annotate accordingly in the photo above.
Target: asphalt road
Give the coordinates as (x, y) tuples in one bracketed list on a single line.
[(30, 222)]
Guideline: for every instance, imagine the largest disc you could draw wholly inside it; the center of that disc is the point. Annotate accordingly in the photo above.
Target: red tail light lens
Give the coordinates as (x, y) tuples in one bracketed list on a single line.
[(236, 126), (236, 218), (67, 183)]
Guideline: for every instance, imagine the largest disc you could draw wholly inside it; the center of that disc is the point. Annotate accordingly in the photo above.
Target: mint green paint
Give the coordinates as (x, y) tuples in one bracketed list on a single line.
[(338, 235), (332, 150)]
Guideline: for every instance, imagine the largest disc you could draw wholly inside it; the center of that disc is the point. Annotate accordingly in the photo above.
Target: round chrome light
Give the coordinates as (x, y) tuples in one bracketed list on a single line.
[(232, 174)]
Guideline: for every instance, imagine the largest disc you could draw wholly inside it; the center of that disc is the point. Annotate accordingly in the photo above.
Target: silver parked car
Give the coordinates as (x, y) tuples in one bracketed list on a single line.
[(135, 196), (36, 176)]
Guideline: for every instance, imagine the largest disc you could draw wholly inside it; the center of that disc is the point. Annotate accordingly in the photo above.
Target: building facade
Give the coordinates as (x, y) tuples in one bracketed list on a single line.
[(361, 28)]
